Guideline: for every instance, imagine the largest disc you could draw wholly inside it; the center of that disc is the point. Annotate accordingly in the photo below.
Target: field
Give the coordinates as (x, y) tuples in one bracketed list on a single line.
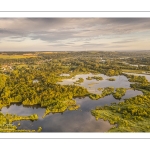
[(15, 56), (133, 71)]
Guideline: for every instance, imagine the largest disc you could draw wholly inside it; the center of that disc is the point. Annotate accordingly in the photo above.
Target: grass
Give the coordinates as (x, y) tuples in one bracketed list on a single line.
[(123, 124), (133, 71)]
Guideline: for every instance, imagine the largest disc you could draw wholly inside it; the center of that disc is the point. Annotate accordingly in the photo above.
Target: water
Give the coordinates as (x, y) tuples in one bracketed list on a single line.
[(93, 85), (80, 120), (65, 74), (134, 65), (69, 121)]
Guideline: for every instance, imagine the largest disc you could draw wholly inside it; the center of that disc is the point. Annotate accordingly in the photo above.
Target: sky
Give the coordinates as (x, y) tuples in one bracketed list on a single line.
[(74, 34)]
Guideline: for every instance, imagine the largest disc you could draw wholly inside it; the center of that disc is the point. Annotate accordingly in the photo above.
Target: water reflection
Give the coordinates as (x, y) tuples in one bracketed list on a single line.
[(87, 104), (70, 121), (23, 110)]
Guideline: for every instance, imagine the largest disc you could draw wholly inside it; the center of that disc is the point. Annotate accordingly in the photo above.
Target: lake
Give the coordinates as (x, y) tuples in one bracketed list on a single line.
[(79, 120)]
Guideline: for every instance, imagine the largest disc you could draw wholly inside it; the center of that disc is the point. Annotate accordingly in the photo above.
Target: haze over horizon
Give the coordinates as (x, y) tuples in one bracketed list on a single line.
[(74, 34)]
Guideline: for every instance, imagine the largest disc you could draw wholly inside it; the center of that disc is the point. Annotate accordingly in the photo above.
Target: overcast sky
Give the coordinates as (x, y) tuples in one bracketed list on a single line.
[(74, 34)]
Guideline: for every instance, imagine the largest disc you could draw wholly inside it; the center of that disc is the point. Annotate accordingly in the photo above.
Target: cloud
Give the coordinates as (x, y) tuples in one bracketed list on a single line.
[(48, 29), (85, 32), (124, 41)]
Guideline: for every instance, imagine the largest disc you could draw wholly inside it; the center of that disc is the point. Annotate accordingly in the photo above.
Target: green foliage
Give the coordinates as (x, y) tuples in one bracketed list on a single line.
[(140, 79), (106, 91), (19, 88), (39, 129), (141, 83), (79, 81), (112, 72), (132, 115), (94, 96), (111, 79), (95, 77), (58, 106), (119, 92), (2, 81)]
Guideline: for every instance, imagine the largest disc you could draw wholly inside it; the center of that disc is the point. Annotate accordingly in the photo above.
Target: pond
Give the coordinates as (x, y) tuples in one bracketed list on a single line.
[(79, 120)]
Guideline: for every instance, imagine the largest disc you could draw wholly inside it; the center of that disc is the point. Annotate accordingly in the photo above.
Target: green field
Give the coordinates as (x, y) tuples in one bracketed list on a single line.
[(133, 71)]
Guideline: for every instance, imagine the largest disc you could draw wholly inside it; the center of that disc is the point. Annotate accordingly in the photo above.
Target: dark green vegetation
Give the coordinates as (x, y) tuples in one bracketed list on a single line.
[(132, 115), (111, 79), (95, 77), (141, 83), (106, 91), (119, 92), (140, 79), (95, 96), (32, 79), (113, 72), (79, 81)]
